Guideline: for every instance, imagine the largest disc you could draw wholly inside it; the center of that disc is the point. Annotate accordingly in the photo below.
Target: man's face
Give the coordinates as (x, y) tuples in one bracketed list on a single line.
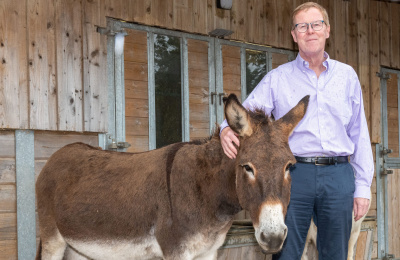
[(310, 42)]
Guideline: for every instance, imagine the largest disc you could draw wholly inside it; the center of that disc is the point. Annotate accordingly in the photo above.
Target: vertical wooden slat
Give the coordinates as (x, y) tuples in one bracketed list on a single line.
[(284, 9), (374, 51), (69, 64), (183, 14), (363, 55), (330, 42), (199, 16), (271, 28), (42, 65), (238, 21), (94, 67), (13, 65), (163, 13), (351, 42), (339, 17), (139, 11), (384, 39), (251, 11), (395, 36)]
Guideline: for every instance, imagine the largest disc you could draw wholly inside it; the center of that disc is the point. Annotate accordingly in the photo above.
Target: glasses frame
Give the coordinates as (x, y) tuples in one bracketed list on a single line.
[(308, 26)]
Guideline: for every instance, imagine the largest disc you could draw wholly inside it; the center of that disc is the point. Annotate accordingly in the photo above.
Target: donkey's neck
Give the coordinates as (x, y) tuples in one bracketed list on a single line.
[(218, 179)]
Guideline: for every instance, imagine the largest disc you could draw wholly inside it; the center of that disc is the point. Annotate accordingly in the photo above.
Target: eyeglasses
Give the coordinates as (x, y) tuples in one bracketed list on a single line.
[(303, 27)]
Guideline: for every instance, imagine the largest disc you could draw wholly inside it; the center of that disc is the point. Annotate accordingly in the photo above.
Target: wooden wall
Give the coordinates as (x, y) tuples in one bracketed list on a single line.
[(53, 62), (46, 143)]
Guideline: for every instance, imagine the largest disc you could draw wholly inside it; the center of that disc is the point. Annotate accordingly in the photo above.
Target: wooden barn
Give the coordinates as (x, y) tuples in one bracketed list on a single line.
[(62, 81)]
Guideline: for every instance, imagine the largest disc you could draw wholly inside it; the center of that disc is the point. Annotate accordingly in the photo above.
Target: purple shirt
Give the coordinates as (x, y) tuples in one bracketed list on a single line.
[(334, 124)]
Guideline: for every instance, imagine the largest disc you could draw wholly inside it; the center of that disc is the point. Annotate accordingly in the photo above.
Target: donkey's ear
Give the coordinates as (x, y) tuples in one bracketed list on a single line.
[(237, 116), (289, 121)]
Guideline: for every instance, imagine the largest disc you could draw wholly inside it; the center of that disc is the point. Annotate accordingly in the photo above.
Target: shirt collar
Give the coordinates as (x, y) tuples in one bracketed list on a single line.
[(301, 63)]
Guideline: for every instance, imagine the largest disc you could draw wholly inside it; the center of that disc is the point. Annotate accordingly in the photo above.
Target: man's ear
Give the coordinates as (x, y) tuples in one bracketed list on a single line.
[(294, 35), (237, 116), (288, 122)]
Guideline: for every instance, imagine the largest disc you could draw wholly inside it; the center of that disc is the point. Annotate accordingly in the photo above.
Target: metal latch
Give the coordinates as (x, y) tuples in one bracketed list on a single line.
[(120, 145), (386, 151), (388, 257), (386, 171)]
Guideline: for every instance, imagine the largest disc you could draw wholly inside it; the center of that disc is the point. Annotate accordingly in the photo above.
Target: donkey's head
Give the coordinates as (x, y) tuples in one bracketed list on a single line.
[(262, 168)]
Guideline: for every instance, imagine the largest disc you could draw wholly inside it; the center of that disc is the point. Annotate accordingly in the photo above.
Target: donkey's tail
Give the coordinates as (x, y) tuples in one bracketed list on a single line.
[(39, 251)]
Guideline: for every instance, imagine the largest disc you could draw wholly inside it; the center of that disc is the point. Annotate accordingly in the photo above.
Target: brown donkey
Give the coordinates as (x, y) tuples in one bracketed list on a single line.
[(176, 202)]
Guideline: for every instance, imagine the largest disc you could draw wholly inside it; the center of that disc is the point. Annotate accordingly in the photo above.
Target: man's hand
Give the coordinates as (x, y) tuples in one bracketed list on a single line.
[(228, 137), (360, 207)]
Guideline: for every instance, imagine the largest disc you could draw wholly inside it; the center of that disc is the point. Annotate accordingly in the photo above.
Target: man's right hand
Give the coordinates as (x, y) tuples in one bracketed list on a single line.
[(228, 138)]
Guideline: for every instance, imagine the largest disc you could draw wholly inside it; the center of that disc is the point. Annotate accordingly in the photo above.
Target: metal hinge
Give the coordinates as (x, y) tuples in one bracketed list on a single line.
[(386, 171), (383, 75)]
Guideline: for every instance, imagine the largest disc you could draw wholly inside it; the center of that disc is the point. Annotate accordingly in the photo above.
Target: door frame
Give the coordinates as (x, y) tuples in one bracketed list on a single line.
[(384, 164)]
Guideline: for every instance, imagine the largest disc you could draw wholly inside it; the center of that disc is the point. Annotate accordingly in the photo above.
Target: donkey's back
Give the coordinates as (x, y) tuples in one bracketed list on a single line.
[(84, 192)]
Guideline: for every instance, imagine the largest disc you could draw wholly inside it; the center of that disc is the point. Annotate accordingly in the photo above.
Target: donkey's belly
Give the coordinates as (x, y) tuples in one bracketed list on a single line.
[(145, 248)]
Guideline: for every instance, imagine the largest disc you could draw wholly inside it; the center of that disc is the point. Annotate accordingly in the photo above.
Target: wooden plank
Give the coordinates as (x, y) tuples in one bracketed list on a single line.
[(7, 144), (330, 42), (340, 17), (183, 14), (351, 34), (135, 52), (162, 13), (279, 59), (363, 56), (271, 31), (69, 64), (13, 65), (8, 198), (7, 171), (251, 24), (395, 35), (46, 143), (8, 249), (284, 9), (42, 65), (136, 89), (8, 226), (137, 125), (94, 68), (384, 39), (238, 21), (139, 11), (136, 71), (138, 143), (375, 100), (137, 108)]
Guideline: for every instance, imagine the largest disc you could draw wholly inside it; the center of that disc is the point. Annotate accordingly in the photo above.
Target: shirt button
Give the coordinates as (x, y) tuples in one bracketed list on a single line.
[(313, 77)]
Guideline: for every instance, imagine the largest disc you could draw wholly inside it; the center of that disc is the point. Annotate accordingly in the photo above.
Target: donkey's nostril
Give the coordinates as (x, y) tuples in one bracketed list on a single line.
[(284, 232)]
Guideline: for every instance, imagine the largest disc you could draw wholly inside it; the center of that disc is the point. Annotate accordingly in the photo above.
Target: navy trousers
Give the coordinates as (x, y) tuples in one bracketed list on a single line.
[(325, 192)]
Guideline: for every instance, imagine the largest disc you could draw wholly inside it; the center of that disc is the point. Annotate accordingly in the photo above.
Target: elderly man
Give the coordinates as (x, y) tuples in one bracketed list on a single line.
[(324, 184)]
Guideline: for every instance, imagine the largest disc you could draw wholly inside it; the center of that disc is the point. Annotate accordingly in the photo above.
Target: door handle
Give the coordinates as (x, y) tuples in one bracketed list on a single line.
[(212, 97)]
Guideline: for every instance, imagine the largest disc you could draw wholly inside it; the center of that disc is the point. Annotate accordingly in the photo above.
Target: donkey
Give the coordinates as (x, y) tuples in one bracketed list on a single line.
[(176, 202)]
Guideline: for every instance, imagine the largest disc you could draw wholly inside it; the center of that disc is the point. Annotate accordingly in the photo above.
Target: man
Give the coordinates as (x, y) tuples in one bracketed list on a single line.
[(324, 184)]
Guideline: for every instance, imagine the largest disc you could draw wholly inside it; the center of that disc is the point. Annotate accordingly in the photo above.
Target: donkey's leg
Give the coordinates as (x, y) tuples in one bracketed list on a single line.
[(310, 247), (53, 247), (71, 254)]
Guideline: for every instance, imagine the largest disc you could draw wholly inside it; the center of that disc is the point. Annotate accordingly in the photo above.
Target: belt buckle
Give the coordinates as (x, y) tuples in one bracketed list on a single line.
[(315, 161)]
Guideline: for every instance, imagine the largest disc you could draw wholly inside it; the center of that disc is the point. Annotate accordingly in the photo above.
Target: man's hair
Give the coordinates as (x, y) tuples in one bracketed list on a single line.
[(305, 7)]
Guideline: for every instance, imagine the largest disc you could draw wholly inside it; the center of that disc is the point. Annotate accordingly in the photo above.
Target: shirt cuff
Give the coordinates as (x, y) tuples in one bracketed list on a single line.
[(222, 126), (362, 192)]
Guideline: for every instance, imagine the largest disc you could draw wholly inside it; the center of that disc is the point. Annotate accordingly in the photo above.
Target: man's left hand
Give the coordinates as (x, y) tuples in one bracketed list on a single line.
[(360, 207)]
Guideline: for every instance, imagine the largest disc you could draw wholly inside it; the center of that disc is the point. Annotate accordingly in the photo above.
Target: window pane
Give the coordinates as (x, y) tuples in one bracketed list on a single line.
[(256, 68), (167, 68)]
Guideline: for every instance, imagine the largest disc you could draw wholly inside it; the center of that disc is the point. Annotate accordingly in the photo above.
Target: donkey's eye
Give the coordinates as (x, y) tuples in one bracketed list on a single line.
[(248, 168)]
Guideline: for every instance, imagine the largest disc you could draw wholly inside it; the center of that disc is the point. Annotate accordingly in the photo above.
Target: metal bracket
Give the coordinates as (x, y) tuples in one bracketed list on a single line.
[(386, 172), (383, 75), (110, 32), (120, 145)]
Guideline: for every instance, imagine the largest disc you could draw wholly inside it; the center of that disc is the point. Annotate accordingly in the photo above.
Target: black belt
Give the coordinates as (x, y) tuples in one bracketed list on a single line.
[(323, 160)]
